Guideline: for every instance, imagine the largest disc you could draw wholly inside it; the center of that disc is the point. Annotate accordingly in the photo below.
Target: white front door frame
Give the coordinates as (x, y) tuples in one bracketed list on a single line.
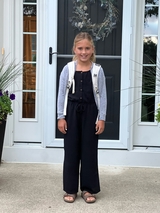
[(122, 143), (49, 97), (144, 134)]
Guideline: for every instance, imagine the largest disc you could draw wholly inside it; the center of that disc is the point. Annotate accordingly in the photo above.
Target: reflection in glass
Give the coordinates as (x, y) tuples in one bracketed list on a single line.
[(29, 18), (30, 1), (151, 25), (28, 108), (148, 106), (29, 77), (152, 2), (149, 79), (29, 47), (29, 10), (150, 50)]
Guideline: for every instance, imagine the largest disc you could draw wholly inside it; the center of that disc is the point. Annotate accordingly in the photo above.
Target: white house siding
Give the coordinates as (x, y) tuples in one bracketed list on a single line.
[(1, 27)]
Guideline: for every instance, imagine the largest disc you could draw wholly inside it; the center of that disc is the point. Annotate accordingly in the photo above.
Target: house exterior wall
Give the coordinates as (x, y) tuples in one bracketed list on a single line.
[(1, 28)]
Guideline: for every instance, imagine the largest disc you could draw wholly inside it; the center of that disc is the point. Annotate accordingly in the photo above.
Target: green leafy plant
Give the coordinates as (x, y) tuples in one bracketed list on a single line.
[(8, 73), (157, 115), (6, 104)]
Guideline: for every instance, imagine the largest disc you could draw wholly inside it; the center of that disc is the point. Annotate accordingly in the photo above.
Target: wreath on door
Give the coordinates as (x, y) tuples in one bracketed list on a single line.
[(81, 20)]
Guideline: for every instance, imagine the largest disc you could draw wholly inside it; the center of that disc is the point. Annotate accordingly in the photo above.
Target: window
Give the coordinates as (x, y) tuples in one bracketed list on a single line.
[(29, 58), (150, 42)]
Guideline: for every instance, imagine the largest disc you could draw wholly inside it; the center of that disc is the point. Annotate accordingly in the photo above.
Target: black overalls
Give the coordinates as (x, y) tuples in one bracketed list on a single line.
[(80, 141)]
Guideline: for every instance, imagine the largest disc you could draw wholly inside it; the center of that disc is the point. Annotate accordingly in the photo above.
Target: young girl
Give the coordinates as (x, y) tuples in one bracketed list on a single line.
[(83, 122)]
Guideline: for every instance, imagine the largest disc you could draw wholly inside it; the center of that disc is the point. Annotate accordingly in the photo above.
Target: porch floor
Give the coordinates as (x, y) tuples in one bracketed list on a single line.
[(37, 188)]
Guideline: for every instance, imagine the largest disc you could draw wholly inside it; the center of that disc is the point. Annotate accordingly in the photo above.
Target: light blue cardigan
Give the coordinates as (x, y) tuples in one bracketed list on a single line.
[(101, 87)]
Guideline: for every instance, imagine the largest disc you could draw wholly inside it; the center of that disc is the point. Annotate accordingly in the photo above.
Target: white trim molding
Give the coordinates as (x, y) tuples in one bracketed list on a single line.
[(35, 154)]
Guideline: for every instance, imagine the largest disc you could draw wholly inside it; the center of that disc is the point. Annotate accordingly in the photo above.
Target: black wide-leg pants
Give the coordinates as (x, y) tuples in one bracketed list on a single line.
[(80, 149)]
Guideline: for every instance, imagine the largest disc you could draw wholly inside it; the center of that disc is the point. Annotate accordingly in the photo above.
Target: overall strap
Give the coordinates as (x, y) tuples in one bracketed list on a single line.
[(96, 68), (71, 69), (95, 71)]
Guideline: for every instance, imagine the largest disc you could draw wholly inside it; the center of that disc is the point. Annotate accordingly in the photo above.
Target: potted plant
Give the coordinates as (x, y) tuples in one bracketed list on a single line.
[(8, 73)]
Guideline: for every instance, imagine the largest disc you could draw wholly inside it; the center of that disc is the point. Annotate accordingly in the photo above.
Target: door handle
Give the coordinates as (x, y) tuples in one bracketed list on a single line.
[(50, 55)]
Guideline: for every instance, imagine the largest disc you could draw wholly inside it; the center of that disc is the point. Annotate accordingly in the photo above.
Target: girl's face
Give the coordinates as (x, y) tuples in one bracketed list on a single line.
[(83, 50)]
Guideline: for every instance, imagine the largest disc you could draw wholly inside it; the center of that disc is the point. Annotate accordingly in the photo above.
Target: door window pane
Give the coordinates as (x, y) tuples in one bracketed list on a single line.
[(29, 24), (149, 79), (28, 109), (29, 10), (151, 24), (152, 2), (29, 47), (30, 1), (29, 77), (148, 106), (150, 49), (150, 42), (29, 59)]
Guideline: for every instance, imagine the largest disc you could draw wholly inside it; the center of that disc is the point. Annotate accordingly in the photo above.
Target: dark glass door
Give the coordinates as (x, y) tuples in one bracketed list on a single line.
[(108, 52)]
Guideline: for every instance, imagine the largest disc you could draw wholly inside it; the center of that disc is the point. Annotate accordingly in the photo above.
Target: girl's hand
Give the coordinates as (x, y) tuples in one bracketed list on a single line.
[(100, 127), (62, 125)]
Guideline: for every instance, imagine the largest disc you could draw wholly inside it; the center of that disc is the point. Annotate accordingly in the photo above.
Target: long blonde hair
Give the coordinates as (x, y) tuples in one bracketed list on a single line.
[(80, 36)]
